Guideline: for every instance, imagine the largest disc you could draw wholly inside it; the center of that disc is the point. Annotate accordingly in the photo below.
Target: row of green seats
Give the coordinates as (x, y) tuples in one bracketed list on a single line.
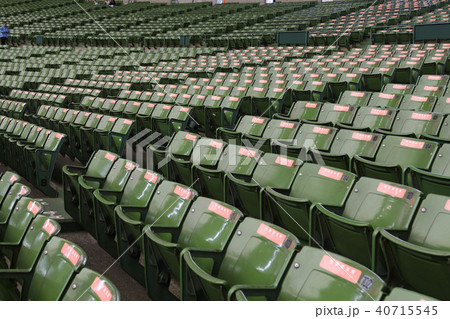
[(31, 150), (35, 264), (168, 223)]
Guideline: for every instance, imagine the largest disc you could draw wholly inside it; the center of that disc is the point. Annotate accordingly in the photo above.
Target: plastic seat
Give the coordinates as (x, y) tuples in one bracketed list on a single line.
[(272, 170), (40, 162), (250, 125), (98, 166), (317, 275), (355, 98), (433, 80), (275, 130), (257, 255), (385, 100), (334, 113), (346, 144), (211, 162), (394, 156), (53, 271), (394, 88), (352, 229), (418, 103), (437, 180), (25, 254), (424, 249), (416, 123), (309, 136), (89, 285), (429, 90), (313, 184), (302, 110), (371, 118), (115, 180), (7, 179), (443, 105), (137, 192), (166, 208), (208, 227), (179, 152)]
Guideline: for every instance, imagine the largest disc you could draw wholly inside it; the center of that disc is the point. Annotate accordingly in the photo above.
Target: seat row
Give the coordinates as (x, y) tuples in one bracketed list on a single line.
[(85, 131), (187, 157), (35, 264), (31, 150), (214, 251)]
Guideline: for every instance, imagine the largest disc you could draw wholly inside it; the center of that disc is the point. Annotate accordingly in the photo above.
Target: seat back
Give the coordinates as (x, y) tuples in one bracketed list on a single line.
[(382, 204), (418, 123), (336, 113), (169, 205), (397, 150), (321, 184), (318, 275), (89, 285), (257, 254), (6, 181), (15, 193), (100, 164), (374, 117), (252, 125), (118, 175), (431, 223), (140, 188), (276, 171), (40, 231), (352, 142), (55, 269), (21, 217)]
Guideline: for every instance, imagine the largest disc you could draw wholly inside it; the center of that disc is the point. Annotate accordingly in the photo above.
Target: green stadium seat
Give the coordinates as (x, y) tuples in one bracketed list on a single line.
[(346, 144), (352, 229), (424, 250), (89, 285), (394, 156), (166, 209), (98, 166), (272, 170), (137, 192), (115, 180), (415, 124), (317, 275), (313, 184), (206, 217), (437, 180), (255, 246), (25, 255)]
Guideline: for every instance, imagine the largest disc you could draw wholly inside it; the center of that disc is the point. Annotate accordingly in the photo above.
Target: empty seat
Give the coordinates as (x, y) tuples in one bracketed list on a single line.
[(166, 209), (394, 156), (313, 184), (257, 255), (424, 249), (346, 144), (437, 180), (318, 275), (98, 166), (272, 170), (137, 192), (115, 180), (372, 203), (208, 227)]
